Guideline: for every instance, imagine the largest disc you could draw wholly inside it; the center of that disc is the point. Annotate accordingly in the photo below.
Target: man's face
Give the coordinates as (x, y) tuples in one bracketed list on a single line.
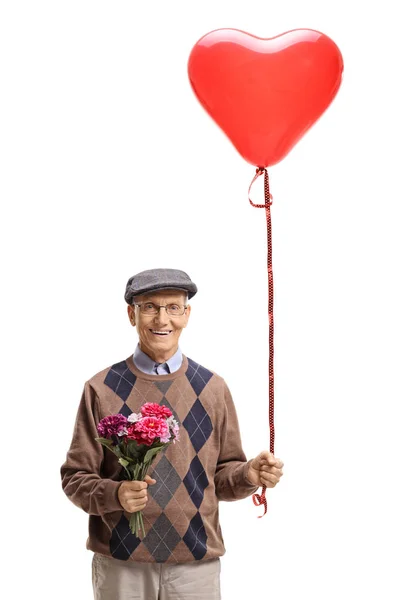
[(159, 333)]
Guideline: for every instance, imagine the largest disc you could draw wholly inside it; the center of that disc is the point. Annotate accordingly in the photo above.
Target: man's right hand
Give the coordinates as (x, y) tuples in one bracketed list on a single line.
[(132, 495)]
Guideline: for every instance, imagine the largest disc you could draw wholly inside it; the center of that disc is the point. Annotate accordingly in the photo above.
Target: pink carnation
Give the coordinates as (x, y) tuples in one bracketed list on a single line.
[(151, 409), (148, 429), (175, 432)]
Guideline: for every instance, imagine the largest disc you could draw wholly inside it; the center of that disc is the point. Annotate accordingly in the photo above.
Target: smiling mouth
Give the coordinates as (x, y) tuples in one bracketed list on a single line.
[(162, 333)]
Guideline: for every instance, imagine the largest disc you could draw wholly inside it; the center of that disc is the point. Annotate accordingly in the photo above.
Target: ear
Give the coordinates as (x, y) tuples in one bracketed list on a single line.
[(131, 314), (188, 309)]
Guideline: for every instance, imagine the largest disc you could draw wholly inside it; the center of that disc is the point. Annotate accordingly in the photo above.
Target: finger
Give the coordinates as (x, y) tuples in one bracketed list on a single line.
[(268, 478), (273, 470), (151, 481), (273, 461), (136, 485), (135, 507), (268, 484), (267, 458), (135, 494), (136, 501), (142, 494)]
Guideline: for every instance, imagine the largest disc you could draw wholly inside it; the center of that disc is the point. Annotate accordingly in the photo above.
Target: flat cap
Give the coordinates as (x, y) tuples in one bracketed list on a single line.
[(153, 280)]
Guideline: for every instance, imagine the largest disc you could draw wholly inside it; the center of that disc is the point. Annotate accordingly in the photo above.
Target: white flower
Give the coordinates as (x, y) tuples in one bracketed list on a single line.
[(172, 422), (133, 417)]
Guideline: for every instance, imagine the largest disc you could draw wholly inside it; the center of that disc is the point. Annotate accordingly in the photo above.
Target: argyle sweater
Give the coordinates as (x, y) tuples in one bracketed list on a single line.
[(207, 464)]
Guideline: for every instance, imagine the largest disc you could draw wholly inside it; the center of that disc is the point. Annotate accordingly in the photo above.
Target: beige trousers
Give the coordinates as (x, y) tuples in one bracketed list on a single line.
[(115, 579)]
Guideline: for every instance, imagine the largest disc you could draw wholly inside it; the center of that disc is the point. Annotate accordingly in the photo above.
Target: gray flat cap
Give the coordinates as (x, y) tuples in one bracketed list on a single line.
[(153, 280)]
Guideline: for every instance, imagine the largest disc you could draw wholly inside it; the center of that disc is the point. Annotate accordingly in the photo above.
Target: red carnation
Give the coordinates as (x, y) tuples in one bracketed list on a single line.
[(148, 429), (151, 409)]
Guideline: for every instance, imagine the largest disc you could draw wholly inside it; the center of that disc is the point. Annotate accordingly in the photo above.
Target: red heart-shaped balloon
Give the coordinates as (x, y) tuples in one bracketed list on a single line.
[(265, 93)]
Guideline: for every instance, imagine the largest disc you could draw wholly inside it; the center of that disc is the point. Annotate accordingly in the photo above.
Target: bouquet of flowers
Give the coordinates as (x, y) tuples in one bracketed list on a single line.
[(136, 441)]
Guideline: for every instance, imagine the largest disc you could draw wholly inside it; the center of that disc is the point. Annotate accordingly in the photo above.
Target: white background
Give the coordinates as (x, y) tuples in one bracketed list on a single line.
[(111, 166)]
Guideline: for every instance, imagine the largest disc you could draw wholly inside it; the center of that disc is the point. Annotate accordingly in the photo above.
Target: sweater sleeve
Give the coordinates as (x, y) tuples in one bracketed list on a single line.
[(81, 472), (231, 481)]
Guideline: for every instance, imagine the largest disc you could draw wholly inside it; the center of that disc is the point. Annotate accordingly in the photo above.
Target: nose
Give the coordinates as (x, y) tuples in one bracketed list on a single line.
[(162, 317)]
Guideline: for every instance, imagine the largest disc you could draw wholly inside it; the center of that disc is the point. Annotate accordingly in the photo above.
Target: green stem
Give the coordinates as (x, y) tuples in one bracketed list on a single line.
[(133, 524), (142, 523)]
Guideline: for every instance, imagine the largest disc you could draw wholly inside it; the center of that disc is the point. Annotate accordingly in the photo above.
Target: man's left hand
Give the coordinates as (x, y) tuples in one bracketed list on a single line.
[(265, 469)]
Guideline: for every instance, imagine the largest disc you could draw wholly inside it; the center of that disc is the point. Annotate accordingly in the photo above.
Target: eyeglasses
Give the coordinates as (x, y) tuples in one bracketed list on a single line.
[(149, 308)]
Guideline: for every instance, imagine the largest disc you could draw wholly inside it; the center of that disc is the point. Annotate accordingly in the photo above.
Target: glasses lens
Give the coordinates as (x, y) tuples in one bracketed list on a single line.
[(175, 310), (148, 308)]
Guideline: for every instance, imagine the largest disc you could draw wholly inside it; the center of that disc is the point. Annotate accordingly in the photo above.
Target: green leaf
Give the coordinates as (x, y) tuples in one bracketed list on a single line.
[(136, 471), (123, 462), (117, 451), (132, 449), (152, 453), (104, 441)]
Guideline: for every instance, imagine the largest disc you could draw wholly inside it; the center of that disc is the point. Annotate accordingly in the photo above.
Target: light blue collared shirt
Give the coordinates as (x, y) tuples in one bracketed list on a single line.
[(148, 365)]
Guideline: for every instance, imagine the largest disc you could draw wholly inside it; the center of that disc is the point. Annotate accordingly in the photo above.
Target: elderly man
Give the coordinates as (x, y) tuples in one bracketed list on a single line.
[(179, 556)]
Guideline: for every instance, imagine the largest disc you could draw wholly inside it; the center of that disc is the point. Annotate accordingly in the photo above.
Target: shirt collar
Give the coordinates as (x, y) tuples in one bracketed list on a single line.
[(146, 364)]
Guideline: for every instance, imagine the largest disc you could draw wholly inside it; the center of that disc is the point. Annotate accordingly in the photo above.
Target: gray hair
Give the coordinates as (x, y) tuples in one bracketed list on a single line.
[(136, 297)]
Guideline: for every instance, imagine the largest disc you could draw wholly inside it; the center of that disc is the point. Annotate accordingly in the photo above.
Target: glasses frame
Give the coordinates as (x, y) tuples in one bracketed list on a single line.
[(159, 306)]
